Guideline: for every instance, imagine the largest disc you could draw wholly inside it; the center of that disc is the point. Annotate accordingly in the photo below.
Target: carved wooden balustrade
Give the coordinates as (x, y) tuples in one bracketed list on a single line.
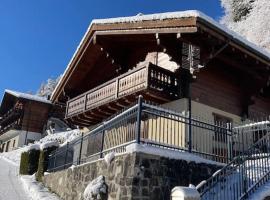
[(147, 79)]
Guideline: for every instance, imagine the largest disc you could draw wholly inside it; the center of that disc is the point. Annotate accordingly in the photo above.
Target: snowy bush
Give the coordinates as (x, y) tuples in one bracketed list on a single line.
[(250, 19), (109, 158), (96, 189), (46, 89), (62, 137)]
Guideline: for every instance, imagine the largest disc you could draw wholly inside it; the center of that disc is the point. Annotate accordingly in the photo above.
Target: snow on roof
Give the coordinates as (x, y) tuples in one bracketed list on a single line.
[(28, 96), (166, 16), (178, 15)]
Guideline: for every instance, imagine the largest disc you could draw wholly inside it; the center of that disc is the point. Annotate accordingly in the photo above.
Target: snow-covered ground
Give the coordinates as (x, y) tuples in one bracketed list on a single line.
[(15, 187), (10, 184), (261, 193), (36, 189), (14, 156)]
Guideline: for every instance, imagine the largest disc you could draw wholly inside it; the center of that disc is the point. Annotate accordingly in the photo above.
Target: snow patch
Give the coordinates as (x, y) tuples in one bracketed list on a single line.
[(109, 157), (28, 96), (49, 144), (62, 137), (201, 184), (36, 190), (168, 153), (57, 139), (34, 147), (95, 189), (216, 173), (164, 16), (14, 156)]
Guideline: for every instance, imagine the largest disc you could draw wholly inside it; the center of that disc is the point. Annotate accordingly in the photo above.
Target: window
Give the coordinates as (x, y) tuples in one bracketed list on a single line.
[(3, 147), (221, 124), (14, 142), (7, 147)]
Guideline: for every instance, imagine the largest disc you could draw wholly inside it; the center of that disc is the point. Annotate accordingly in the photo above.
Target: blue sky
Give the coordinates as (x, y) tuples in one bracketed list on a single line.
[(38, 37)]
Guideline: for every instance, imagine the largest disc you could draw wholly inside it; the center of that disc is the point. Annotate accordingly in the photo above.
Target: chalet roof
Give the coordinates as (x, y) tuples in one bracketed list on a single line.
[(10, 96), (201, 17)]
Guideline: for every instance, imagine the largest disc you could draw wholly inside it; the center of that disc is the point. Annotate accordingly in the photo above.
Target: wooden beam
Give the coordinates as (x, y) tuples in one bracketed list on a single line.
[(177, 30)]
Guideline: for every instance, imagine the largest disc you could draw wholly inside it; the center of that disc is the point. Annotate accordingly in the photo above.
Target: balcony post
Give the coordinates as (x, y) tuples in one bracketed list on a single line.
[(67, 109), (117, 88), (139, 116), (85, 102)]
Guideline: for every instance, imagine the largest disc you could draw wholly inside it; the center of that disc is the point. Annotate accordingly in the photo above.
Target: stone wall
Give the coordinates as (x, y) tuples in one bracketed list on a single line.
[(130, 176)]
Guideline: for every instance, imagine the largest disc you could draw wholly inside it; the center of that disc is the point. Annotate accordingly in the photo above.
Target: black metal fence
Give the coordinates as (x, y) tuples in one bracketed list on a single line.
[(156, 126)]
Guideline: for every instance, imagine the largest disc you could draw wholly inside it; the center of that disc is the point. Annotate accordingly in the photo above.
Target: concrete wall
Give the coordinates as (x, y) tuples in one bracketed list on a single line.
[(30, 136), (130, 176)]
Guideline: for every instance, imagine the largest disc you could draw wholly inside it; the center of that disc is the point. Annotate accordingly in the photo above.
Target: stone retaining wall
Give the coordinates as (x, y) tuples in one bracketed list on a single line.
[(130, 176)]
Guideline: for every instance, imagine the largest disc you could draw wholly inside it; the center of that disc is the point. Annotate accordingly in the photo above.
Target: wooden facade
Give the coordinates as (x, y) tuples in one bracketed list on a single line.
[(235, 77), (18, 113)]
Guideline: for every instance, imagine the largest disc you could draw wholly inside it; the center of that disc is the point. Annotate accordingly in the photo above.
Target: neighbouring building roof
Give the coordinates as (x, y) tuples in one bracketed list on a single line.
[(28, 96), (168, 16)]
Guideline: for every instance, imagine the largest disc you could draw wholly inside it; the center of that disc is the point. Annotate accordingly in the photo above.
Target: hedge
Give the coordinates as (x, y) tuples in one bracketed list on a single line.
[(43, 162), (29, 162), (24, 163)]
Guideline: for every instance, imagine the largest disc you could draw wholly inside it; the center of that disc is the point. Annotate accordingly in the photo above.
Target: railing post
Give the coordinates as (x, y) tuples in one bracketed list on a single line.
[(117, 88), (139, 116), (85, 102), (229, 140), (189, 126), (102, 144), (66, 156), (54, 160), (80, 153)]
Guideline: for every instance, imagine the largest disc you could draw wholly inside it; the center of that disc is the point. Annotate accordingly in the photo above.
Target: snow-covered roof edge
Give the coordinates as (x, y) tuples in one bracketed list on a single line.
[(164, 16), (28, 96)]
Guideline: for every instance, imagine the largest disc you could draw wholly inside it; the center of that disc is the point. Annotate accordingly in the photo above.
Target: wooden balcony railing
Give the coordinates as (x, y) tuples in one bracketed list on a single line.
[(11, 126), (146, 77), (10, 116)]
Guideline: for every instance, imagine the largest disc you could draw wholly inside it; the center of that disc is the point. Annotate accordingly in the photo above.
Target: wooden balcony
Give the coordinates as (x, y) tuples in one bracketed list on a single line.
[(10, 116), (154, 83)]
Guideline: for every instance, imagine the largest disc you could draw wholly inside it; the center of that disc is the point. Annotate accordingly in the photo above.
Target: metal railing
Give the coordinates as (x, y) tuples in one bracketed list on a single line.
[(153, 125), (247, 171)]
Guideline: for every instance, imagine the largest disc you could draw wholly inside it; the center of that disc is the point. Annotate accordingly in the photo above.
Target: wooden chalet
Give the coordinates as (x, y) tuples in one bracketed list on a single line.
[(22, 118), (169, 58)]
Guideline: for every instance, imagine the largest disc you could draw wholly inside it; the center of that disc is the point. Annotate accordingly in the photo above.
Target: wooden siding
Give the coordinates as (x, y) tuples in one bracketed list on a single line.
[(218, 89), (35, 116)]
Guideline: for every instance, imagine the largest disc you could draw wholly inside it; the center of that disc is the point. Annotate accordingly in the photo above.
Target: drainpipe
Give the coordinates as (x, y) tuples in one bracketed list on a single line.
[(27, 125), (189, 116)]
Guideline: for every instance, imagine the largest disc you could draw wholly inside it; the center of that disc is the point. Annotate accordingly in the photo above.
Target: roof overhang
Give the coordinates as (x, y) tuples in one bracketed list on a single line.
[(147, 27)]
